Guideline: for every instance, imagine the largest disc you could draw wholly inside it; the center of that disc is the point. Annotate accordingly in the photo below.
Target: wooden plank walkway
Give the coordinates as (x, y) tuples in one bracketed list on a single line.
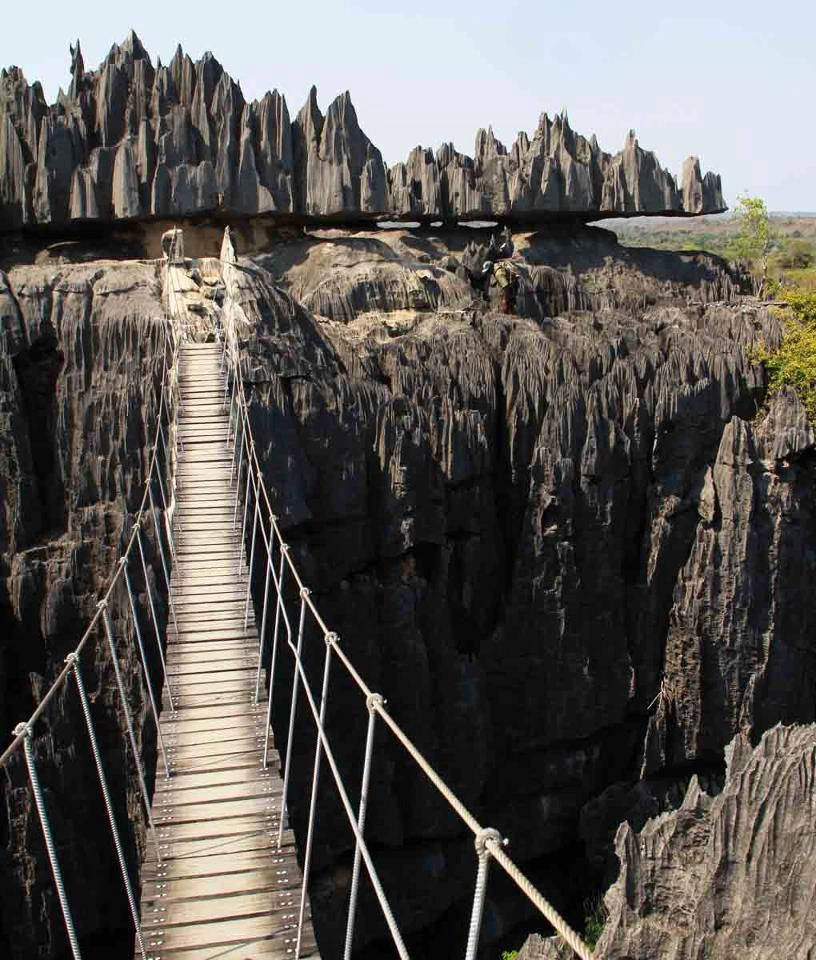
[(223, 889)]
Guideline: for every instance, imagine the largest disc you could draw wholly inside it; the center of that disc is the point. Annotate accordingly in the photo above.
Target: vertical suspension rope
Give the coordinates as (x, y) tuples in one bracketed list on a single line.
[(165, 568), (304, 592), (269, 563), (155, 619), (331, 639), (371, 701), (42, 813), (145, 665), (106, 619), (284, 549), (252, 551), (73, 660), (480, 889)]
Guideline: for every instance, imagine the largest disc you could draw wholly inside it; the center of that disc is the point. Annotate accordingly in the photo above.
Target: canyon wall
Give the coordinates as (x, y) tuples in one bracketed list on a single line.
[(130, 141), (570, 547), (81, 352)]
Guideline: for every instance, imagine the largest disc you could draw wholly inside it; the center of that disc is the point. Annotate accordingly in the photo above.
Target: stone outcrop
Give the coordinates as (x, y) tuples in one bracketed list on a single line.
[(80, 359), (131, 141), (722, 876)]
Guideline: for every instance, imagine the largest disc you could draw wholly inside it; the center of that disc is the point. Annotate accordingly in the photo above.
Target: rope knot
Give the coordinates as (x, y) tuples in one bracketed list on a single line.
[(304, 592), (72, 658), (122, 562), (103, 603), (374, 700), (483, 836), (331, 639), (284, 547), (22, 729)]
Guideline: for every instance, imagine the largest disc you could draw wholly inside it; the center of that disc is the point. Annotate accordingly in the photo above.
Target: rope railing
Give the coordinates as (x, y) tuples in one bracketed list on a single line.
[(168, 406), (488, 843)]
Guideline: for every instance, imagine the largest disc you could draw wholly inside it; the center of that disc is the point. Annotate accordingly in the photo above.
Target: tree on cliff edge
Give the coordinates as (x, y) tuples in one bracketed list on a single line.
[(754, 236)]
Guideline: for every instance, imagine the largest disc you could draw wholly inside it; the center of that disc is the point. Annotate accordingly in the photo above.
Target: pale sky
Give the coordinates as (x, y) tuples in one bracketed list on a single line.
[(732, 82)]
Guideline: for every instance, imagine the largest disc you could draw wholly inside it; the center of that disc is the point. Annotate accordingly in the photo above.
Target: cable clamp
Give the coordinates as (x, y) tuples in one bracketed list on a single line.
[(103, 603), (304, 592), (374, 700), (22, 729), (483, 836), (72, 658)]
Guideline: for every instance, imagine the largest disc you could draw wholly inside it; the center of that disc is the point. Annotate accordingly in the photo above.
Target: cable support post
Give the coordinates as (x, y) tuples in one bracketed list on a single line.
[(365, 853), (24, 730), (279, 608), (372, 700), (292, 714), (480, 842), (261, 640), (307, 859), (73, 660)]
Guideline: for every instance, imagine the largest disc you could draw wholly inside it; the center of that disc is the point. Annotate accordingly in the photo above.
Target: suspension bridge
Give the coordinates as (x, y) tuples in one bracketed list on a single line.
[(222, 876)]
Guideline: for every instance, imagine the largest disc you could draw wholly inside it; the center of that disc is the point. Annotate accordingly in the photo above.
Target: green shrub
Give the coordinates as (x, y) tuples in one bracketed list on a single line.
[(595, 919), (509, 954), (794, 363)]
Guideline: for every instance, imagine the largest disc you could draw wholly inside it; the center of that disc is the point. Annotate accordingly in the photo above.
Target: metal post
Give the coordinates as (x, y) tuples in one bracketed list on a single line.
[(372, 702), (155, 618), (269, 546), (148, 681), (304, 592), (279, 588), (483, 854), (238, 486), (331, 639), (252, 552), (106, 618), (56, 873), (73, 659)]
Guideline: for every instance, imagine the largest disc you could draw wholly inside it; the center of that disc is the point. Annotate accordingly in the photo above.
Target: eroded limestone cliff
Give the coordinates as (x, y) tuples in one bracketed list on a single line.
[(562, 544), (80, 362), (722, 876), (130, 140)]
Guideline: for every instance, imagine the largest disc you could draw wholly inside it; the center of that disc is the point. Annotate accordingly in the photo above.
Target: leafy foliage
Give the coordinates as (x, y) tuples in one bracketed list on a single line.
[(794, 363), (595, 920), (509, 954)]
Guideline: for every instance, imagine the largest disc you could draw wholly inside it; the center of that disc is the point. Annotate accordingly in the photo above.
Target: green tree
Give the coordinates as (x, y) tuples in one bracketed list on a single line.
[(754, 236)]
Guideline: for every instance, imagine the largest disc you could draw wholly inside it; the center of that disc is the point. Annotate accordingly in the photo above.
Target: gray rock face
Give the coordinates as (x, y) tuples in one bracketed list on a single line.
[(80, 356), (730, 875), (130, 141), (560, 543), (558, 526)]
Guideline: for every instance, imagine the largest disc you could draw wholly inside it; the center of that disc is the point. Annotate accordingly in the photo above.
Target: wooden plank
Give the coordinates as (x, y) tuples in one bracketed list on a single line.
[(223, 889)]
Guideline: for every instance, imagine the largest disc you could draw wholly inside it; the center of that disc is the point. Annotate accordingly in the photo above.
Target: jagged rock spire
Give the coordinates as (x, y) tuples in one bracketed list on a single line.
[(131, 140)]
